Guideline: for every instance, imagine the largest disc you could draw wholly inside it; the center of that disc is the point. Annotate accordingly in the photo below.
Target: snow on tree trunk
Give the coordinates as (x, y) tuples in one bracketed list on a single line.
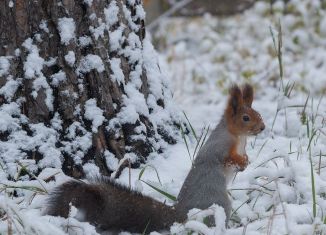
[(80, 86)]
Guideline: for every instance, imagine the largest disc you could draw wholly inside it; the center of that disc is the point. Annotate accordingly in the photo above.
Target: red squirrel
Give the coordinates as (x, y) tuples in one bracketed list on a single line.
[(109, 205)]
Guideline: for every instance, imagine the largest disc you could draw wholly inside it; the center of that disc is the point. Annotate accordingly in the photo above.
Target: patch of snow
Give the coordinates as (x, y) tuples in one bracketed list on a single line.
[(46, 139), (92, 16), (140, 13), (88, 2), (38, 37), (98, 31), (4, 65), (58, 77), (78, 141), (70, 58), (91, 170), (34, 63), (116, 38), (89, 63), (94, 114), (40, 83), (8, 122), (66, 27), (117, 73), (17, 52), (50, 62), (33, 70), (10, 88), (111, 13), (111, 161), (44, 26), (84, 41), (56, 122)]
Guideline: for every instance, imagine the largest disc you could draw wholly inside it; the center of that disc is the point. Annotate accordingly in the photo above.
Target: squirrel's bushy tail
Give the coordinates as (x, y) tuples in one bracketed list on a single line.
[(109, 205)]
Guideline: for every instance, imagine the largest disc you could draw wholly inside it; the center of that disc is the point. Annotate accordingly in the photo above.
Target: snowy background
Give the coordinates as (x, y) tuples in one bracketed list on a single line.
[(283, 190)]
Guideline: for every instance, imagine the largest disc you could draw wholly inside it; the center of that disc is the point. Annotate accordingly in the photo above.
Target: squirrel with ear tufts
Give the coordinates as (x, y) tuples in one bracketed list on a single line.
[(111, 206)]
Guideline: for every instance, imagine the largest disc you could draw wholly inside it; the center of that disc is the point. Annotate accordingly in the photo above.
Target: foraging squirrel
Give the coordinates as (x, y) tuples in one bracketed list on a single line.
[(109, 205)]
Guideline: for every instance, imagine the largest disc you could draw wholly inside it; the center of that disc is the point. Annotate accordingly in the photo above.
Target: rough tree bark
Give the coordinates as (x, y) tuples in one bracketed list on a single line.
[(79, 85)]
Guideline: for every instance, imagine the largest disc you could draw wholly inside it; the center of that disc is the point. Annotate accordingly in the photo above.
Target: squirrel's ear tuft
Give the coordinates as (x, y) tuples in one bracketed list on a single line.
[(235, 100), (248, 94)]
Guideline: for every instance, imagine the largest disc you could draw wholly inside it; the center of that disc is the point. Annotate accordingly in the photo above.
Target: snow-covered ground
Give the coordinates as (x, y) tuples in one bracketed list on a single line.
[(283, 190)]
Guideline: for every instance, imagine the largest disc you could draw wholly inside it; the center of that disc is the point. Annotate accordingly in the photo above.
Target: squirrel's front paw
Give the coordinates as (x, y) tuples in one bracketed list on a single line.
[(240, 162), (243, 162)]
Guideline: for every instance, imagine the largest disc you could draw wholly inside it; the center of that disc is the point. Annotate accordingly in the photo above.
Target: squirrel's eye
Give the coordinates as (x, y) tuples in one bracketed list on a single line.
[(246, 118)]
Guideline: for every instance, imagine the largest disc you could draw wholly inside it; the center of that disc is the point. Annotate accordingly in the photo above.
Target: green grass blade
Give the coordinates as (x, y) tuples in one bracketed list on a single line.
[(314, 132), (169, 196), (205, 137), (143, 170), (273, 38), (186, 142), (191, 127), (235, 211), (197, 145), (314, 209), (32, 175), (29, 188)]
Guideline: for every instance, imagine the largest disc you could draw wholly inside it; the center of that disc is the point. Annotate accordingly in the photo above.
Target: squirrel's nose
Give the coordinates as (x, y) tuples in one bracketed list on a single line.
[(262, 127)]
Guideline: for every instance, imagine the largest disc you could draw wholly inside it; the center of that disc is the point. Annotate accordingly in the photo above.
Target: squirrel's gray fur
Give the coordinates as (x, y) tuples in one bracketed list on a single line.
[(206, 181)]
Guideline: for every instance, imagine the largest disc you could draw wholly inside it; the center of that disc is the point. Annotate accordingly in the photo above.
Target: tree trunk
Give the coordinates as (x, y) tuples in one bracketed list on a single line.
[(80, 85)]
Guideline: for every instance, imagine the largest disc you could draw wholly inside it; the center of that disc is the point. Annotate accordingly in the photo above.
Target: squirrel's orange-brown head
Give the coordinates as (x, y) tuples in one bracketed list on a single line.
[(241, 118)]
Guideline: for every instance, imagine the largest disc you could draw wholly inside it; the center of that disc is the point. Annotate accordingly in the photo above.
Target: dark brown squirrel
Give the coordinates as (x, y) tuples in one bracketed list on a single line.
[(111, 206)]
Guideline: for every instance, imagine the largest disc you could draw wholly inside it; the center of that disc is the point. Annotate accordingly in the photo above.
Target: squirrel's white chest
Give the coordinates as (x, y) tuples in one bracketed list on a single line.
[(229, 173), (241, 148)]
